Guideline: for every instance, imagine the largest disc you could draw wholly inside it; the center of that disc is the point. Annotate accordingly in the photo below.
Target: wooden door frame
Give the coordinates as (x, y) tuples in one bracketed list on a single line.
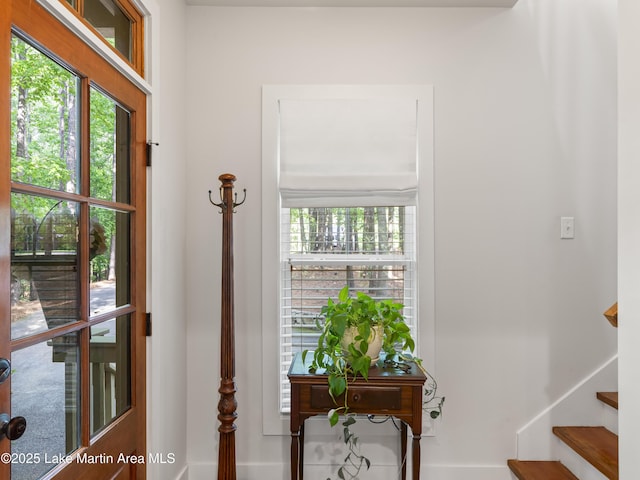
[(5, 213), (33, 20)]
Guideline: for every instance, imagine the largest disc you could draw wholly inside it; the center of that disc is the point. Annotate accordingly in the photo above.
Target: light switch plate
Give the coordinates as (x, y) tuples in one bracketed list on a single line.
[(567, 227)]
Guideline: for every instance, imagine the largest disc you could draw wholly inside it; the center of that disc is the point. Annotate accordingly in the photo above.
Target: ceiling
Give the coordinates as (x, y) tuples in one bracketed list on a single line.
[(354, 3)]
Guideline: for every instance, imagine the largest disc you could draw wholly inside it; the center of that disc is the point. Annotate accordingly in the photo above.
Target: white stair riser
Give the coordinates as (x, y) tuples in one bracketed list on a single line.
[(610, 418), (574, 462)]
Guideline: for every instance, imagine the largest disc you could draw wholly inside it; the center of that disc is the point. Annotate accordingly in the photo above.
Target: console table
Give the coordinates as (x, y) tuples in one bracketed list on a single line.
[(388, 391)]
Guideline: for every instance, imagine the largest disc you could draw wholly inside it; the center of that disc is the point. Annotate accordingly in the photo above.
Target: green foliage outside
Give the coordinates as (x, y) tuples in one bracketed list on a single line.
[(355, 230), (45, 152)]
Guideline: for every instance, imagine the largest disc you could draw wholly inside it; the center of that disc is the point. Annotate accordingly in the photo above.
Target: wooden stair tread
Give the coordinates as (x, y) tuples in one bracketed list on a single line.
[(540, 470), (610, 398), (596, 445)]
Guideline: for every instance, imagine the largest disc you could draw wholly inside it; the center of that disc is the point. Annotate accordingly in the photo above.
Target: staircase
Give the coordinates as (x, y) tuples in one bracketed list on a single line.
[(596, 445)]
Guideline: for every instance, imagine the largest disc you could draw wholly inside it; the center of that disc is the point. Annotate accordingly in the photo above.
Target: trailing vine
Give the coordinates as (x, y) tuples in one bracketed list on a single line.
[(354, 461)]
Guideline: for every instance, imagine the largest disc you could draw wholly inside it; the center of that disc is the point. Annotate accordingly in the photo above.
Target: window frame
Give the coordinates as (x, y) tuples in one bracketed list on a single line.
[(274, 422), (136, 17), (70, 19)]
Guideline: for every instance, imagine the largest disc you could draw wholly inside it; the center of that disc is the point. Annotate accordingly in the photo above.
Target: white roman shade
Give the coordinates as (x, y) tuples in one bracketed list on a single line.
[(348, 151)]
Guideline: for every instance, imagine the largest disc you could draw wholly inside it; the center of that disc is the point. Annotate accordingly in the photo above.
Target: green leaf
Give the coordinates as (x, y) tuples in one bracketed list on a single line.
[(361, 365), (402, 327), (350, 420), (334, 417), (410, 344), (337, 385), (340, 323), (344, 294)]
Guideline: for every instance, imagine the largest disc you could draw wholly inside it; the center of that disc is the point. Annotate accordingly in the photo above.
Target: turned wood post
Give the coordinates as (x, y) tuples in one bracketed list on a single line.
[(227, 404)]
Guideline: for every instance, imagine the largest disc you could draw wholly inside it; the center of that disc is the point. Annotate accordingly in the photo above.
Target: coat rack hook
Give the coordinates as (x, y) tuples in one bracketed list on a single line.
[(227, 198), (235, 202), (222, 205)]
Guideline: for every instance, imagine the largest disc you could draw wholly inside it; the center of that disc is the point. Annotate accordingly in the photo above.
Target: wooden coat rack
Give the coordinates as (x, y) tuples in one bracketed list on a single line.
[(227, 404)]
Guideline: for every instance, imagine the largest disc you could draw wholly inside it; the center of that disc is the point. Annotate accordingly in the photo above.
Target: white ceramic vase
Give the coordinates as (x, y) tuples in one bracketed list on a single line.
[(375, 341)]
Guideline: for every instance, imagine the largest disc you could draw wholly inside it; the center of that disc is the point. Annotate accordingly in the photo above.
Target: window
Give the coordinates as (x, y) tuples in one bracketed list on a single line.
[(347, 200), (370, 249), (118, 22)]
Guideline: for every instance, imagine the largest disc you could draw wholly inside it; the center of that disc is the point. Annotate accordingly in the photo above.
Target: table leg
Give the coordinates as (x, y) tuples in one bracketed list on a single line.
[(297, 453), (295, 450), (301, 462), (403, 449), (415, 458)]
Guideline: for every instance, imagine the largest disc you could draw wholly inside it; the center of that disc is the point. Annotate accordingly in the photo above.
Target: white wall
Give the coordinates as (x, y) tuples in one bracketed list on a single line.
[(629, 238), (166, 348), (525, 132)]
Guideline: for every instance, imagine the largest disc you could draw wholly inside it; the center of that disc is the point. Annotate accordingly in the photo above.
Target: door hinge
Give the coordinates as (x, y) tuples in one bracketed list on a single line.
[(148, 325), (149, 145)]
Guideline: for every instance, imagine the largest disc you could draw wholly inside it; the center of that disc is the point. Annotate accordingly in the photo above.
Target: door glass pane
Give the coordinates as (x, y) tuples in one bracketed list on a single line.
[(44, 120), (44, 264), (110, 371), (109, 254), (109, 139), (44, 390), (111, 22)]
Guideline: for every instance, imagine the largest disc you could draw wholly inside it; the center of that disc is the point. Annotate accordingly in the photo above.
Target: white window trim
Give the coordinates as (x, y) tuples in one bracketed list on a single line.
[(273, 422)]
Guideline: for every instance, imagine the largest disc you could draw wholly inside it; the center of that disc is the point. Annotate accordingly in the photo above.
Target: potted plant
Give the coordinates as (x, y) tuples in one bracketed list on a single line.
[(349, 327)]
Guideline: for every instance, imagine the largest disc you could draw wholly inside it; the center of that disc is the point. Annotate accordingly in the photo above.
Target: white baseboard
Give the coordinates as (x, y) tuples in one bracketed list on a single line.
[(202, 471), (466, 472), (311, 472), (207, 471)]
